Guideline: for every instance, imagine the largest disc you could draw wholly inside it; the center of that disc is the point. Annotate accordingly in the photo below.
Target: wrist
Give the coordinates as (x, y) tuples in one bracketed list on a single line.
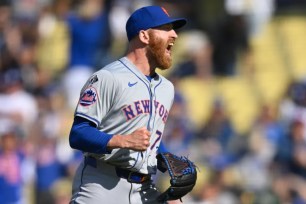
[(115, 142)]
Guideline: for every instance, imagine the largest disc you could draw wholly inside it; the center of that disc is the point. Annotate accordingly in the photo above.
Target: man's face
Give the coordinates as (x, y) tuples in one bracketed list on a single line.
[(160, 45)]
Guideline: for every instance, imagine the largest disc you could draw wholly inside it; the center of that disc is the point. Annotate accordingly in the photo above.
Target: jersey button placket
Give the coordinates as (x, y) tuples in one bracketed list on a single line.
[(151, 122)]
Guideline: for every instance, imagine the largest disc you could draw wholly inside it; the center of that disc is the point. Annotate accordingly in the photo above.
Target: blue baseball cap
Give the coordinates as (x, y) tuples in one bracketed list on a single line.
[(150, 17)]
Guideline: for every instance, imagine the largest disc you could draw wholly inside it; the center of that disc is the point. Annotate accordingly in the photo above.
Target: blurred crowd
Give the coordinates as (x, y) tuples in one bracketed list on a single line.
[(247, 138)]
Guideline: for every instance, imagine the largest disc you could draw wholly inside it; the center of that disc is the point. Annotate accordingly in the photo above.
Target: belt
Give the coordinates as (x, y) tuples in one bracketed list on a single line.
[(130, 176)]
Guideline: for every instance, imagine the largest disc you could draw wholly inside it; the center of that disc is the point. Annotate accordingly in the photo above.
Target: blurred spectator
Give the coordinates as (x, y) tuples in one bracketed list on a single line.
[(260, 15), (257, 160), (218, 126), (28, 10), (5, 15), (217, 136), (291, 150), (178, 134), (293, 105), (27, 66), (48, 170), (257, 13), (11, 45), (207, 13), (89, 33), (18, 49), (230, 40), (54, 160), (266, 133), (61, 191), (196, 60), (215, 191), (11, 163), (289, 188), (90, 39), (119, 13), (53, 42), (16, 104), (281, 185)]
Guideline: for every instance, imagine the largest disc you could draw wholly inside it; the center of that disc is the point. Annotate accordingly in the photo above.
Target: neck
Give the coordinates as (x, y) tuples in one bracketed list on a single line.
[(139, 59)]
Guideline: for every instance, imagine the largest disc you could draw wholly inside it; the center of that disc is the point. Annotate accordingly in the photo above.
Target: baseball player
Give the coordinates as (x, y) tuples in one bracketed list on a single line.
[(121, 115)]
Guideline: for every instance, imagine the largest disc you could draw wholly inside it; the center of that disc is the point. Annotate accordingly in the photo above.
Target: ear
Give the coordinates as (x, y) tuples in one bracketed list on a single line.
[(144, 36)]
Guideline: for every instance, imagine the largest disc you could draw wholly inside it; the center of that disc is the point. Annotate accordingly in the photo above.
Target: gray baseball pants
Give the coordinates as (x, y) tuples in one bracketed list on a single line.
[(99, 184)]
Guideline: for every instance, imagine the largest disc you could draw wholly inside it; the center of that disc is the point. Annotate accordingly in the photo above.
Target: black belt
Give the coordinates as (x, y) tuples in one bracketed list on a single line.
[(130, 176)]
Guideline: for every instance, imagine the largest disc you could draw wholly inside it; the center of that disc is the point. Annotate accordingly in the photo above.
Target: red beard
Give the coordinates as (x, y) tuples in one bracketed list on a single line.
[(156, 53)]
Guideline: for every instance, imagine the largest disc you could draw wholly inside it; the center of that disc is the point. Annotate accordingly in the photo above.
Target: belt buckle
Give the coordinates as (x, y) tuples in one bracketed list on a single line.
[(139, 179)]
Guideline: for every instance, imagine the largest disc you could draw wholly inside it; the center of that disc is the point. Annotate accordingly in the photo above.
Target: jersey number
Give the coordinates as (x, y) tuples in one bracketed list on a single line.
[(159, 134)]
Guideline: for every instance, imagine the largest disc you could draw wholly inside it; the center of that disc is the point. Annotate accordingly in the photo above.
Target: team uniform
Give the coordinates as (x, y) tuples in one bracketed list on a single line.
[(119, 99)]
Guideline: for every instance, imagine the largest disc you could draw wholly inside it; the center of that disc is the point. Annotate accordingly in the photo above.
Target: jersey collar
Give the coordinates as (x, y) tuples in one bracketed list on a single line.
[(135, 70)]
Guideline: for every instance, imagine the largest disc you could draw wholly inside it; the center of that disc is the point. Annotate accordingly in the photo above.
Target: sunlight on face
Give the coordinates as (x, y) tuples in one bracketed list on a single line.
[(159, 49)]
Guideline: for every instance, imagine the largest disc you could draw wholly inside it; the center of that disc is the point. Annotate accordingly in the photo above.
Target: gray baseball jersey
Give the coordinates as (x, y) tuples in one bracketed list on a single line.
[(120, 99)]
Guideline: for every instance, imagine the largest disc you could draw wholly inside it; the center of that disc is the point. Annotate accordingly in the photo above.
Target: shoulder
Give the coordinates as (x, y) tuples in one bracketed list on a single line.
[(109, 70), (109, 74), (114, 67)]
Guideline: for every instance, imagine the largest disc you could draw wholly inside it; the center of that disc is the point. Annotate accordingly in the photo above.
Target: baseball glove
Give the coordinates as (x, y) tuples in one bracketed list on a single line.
[(183, 175)]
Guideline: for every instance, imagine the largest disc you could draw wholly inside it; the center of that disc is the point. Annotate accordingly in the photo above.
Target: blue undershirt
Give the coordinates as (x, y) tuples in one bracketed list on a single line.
[(86, 137), (150, 77)]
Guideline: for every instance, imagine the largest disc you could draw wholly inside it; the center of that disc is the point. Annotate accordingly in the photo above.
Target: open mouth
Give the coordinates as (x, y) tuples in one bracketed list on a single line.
[(169, 47)]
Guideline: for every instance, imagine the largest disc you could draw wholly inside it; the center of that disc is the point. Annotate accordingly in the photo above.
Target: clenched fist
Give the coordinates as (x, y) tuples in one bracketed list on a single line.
[(139, 140)]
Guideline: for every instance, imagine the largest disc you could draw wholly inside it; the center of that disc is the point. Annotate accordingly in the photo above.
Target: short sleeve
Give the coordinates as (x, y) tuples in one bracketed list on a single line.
[(97, 97)]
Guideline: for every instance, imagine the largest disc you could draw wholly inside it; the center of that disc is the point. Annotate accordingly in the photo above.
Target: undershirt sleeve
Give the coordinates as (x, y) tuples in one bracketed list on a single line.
[(86, 137)]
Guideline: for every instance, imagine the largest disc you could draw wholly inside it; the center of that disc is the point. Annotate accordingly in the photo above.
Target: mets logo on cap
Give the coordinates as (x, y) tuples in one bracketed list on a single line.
[(88, 97), (166, 12)]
